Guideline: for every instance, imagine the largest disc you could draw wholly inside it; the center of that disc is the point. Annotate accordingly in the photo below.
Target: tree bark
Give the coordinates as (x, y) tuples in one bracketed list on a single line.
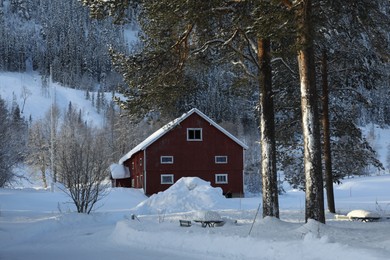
[(314, 206), (326, 129), (267, 126)]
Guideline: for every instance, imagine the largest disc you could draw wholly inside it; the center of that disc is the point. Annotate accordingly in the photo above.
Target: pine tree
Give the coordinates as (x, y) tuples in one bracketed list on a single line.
[(13, 140), (310, 119), (6, 163), (345, 32)]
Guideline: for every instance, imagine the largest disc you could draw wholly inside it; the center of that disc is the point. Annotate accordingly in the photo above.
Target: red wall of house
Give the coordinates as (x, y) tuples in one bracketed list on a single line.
[(195, 158), (136, 167)]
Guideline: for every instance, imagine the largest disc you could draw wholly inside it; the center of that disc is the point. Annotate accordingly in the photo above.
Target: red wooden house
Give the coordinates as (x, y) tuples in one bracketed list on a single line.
[(192, 145)]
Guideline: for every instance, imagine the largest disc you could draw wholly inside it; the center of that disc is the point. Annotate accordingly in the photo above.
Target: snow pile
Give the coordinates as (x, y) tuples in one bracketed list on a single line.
[(187, 194)]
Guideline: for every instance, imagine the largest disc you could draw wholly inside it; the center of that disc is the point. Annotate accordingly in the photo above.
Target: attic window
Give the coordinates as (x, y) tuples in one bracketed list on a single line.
[(220, 159), (194, 134), (166, 159)]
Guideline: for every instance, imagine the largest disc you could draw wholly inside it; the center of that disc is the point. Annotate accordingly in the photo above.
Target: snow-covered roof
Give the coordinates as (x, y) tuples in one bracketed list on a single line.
[(166, 128), (119, 171)]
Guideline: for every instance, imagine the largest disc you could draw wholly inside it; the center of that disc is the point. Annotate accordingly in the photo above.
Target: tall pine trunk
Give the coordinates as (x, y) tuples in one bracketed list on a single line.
[(326, 129), (314, 206), (267, 126)]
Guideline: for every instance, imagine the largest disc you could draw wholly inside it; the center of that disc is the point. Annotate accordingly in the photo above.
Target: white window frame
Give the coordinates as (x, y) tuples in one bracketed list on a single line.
[(224, 175), (194, 129), (221, 157), (167, 182), (164, 159)]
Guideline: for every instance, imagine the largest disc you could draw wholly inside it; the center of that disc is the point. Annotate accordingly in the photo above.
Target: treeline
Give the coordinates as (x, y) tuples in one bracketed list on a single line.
[(50, 145), (64, 151), (41, 35), (13, 140)]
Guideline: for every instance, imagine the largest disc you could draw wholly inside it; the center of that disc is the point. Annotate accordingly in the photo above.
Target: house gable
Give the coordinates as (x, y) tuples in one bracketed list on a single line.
[(166, 128)]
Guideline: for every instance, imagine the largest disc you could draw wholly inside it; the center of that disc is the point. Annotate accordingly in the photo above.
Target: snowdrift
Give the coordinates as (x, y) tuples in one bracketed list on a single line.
[(187, 194)]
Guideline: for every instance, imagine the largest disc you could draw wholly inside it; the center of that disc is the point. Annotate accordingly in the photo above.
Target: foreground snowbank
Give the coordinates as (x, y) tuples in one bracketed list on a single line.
[(32, 226), (272, 239)]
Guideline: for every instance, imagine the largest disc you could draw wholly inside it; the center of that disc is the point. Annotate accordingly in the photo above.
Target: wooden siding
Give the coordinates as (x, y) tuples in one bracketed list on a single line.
[(136, 167)]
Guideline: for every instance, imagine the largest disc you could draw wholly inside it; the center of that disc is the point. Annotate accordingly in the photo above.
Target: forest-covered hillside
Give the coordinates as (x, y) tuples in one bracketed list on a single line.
[(42, 34)]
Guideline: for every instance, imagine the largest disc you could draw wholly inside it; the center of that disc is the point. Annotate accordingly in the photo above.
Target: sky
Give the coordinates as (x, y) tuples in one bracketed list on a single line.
[(37, 223)]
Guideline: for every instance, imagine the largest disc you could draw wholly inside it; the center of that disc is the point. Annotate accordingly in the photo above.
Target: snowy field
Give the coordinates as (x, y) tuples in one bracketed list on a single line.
[(26, 90), (39, 224)]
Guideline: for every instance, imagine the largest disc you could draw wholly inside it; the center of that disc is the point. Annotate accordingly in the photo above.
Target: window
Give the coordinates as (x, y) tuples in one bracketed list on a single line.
[(221, 178), (194, 134), (166, 178), (220, 159), (166, 159), (132, 165), (140, 161)]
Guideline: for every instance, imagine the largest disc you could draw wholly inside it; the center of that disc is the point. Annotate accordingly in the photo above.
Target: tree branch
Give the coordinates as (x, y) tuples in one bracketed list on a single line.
[(245, 68), (285, 64), (252, 49)]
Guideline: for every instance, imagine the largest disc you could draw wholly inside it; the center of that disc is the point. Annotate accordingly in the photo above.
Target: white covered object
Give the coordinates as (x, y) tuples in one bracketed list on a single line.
[(119, 171), (359, 213)]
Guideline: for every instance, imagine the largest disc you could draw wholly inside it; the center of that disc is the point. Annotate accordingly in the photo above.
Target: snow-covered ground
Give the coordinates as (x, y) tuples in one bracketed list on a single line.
[(39, 224)]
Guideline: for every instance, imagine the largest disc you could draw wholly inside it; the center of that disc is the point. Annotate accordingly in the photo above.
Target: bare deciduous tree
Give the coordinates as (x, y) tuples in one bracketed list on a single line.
[(82, 163), (39, 156), (25, 94)]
